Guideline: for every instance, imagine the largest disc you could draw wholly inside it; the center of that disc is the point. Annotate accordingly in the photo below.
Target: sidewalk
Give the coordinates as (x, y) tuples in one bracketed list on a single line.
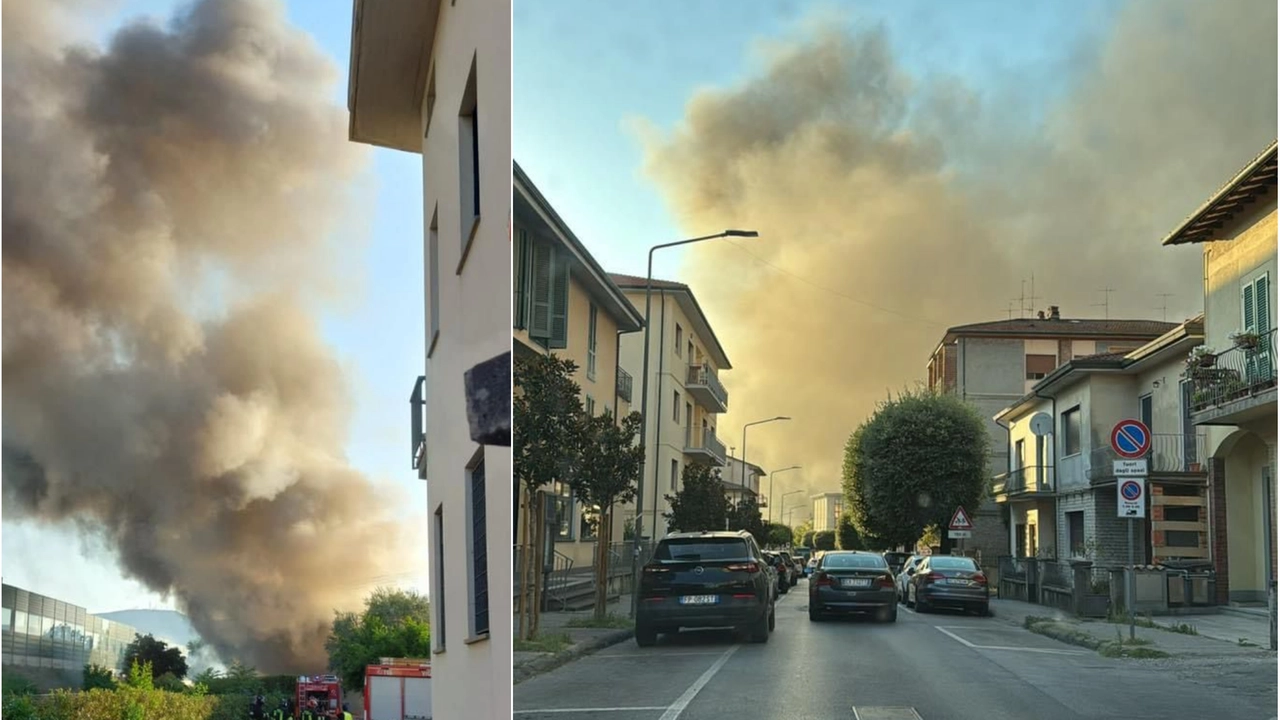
[(565, 644), (1215, 635)]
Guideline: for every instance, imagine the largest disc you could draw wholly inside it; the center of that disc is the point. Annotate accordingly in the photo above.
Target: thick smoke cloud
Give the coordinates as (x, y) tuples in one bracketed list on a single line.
[(170, 206), (933, 200)]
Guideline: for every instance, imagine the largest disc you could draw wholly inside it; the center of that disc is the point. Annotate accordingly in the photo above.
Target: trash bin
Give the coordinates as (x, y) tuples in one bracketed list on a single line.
[(1190, 582)]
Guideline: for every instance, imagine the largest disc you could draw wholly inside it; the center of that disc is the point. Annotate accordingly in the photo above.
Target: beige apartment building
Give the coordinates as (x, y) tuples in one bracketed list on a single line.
[(1234, 383), (566, 305), (686, 397), (827, 509), (434, 78), (742, 480)]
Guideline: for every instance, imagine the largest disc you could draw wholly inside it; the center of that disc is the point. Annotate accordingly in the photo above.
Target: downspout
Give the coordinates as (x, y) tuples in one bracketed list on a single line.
[(1053, 445), (657, 416)]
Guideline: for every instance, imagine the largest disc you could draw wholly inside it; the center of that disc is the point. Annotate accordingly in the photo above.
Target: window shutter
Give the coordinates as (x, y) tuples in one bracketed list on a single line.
[(521, 284), (1247, 303), (540, 295), (560, 301), (1262, 304)]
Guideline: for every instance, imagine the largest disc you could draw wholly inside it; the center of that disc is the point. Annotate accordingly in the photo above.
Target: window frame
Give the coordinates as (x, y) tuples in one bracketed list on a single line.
[(433, 281), (478, 560), (675, 474), (469, 200), (439, 625), (592, 313), (679, 340), (1073, 413)]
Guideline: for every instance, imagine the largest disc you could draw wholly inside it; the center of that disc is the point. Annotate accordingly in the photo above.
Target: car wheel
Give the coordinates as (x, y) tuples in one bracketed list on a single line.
[(815, 615), (760, 629), (984, 610), (646, 636), (922, 606), (888, 614), (910, 602), (773, 618)]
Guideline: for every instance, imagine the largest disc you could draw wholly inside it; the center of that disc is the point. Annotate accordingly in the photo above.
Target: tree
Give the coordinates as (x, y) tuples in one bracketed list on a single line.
[(847, 535), (394, 623), (745, 515), (146, 650), (605, 473), (801, 534), (909, 465), (96, 677), (700, 504), (824, 540), (547, 432), (779, 534), (807, 538)]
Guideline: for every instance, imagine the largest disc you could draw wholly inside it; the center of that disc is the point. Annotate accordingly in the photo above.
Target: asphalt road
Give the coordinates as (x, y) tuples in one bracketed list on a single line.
[(944, 666)]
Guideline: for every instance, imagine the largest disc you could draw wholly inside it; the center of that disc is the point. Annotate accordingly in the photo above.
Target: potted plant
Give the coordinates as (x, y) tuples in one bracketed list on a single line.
[(1246, 340), (1201, 357)]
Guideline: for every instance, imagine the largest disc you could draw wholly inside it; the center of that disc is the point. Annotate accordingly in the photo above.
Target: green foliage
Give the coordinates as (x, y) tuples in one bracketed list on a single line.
[(96, 677), (129, 703), (140, 676), (394, 623), (779, 534), (909, 465), (745, 515), (548, 419), (15, 684), (169, 682), (824, 540), (847, 537), (607, 464), (700, 504), (802, 534), (147, 650), (806, 540)]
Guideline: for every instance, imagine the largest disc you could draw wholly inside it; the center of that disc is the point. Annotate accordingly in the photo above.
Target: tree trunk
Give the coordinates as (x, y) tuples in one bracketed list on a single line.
[(539, 560), (603, 537), (524, 567)]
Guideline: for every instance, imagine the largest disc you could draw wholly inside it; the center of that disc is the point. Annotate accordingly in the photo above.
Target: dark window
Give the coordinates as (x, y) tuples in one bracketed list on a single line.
[(564, 511), (675, 406), (840, 560), (1039, 366), (438, 594), (1019, 454), (1181, 538), (588, 522), (1071, 431), (591, 342), (1181, 513), (548, 299), (522, 274), (679, 338), (479, 553), (703, 549), (469, 160), (1075, 532), (675, 474), (948, 562), (433, 260)]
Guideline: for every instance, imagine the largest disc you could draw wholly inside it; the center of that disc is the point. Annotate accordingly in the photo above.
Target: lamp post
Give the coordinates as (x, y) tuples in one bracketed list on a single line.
[(644, 397), (793, 467), (744, 446), (784, 504)]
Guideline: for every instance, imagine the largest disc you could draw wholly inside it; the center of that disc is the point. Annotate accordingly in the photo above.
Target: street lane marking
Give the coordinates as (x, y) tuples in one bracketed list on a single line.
[(968, 644), (653, 655), (683, 701), (587, 710), (885, 713)]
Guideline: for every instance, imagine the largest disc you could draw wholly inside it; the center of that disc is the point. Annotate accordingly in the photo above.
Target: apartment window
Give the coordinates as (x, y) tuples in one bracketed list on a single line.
[(522, 262), (478, 546), (590, 406), (1075, 533), (438, 575), (1038, 366), (1182, 513), (1071, 431), (689, 348), (433, 279), (546, 286), (591, 342), (1019, 454), (679, 338), (564, 510), (675, 406), (431, 100), (1181, 539), (1255, 304), (589, 522), (675, 474), (469, 164)]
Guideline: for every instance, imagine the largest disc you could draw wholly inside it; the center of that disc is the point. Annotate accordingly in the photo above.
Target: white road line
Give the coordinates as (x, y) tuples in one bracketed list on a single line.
[(673, 712), (587, 710), (653, 655), (968, 644), (885, 713)]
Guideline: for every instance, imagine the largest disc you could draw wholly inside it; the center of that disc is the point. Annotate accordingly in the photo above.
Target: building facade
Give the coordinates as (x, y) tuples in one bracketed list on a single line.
[(742, 483), (991, 365), (1060, 488), (434, 78), (566, 305), (1234, 376), (827, 508), (49, 641), (686, 397)]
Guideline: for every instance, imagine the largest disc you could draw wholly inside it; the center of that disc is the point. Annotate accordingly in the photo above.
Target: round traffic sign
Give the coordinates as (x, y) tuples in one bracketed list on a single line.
[(1130, 439), (1131, 489)]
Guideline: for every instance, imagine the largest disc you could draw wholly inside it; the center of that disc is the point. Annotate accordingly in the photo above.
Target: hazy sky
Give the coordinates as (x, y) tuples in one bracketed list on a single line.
[(378, 338)]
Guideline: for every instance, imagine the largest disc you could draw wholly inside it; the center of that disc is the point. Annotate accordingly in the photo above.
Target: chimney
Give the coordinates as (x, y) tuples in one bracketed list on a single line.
[(1040, 314), (1053, 313)]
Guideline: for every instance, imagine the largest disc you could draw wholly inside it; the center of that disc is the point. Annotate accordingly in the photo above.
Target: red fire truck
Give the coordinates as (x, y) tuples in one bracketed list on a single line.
[(397, 689), (320, 696)]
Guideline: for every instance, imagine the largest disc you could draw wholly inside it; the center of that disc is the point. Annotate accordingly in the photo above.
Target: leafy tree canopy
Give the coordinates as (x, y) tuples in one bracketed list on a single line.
[(549, 420), (917, 458), (159, 655), (847, 535), (607, 464), (700, 504), (824, 540), (394, 623), (779, 534), (96, 677), (745, 515), (806, 540)]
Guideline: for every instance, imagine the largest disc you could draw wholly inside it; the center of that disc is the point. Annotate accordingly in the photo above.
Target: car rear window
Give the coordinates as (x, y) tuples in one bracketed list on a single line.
[(853, 561), (702, 549), (953, 563)]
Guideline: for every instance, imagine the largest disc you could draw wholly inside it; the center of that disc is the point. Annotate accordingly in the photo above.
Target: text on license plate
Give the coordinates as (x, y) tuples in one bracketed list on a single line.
[(855, 582), (957, 581), (699, 599)]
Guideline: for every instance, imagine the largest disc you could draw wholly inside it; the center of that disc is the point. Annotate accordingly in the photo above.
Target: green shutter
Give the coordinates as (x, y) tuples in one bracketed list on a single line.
[(560, 301), (1247, 302), (1262, 304), (540, 287), (520, 317)]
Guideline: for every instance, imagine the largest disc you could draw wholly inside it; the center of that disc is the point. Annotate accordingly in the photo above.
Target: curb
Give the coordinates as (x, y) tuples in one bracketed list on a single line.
[(539, 666)]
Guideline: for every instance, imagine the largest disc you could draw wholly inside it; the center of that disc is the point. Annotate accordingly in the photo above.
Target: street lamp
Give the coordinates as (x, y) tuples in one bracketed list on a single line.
[(744, 446), (793, 467), (644, 396), (784, 504)]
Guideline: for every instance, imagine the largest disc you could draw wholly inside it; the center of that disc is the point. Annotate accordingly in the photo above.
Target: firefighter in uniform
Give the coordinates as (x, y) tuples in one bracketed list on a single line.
[(346, 714)]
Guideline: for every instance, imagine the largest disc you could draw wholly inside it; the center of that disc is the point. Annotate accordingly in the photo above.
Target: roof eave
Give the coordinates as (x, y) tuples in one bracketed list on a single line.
[(1265, 162), (391, 44)]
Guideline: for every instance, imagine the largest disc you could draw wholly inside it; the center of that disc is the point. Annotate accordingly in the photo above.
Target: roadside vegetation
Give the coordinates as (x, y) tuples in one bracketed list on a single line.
[(1071, 634)]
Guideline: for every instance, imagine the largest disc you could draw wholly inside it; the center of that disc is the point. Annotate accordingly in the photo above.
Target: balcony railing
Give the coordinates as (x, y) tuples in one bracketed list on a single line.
[(1170, 453), (702, 382), (1027, 479), (624, 385), (1235, 374), (418, 439), (708, 447)]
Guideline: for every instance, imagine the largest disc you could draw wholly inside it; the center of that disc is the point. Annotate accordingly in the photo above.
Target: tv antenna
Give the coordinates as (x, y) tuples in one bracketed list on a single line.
[(1164, 305), (1106, 302)]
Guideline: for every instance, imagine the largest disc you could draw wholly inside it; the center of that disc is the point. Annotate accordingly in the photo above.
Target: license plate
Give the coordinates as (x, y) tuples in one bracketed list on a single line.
[(699, 599), (855, 582), (957, 581)]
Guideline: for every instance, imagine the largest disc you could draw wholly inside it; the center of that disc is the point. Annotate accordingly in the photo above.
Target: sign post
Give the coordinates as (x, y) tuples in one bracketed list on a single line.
[(1131, 440), (960, 528)]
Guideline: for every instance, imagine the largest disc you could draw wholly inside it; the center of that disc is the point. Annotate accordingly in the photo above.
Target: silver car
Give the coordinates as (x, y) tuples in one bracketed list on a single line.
[(904, 577)]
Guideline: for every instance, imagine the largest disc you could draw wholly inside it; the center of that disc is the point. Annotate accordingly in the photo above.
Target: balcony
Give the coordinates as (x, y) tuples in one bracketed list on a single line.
[(705, 448), (1028, 482), (1237, 385), (418, 439), (705, 387), (1172, 454), (624, 385)]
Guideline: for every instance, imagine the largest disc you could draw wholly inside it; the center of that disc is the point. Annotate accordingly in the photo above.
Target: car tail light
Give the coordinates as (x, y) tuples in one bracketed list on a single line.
[(885, 581), (935, 577), (825, 580), (979, 578), (743, 567), (743, 596)]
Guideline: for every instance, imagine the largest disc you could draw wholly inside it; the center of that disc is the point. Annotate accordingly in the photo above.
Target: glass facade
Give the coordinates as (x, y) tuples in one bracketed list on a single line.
[(41, 632)]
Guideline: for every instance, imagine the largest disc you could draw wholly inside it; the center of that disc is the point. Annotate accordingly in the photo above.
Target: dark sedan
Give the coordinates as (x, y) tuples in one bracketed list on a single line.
[(948, 581), (852, 581)]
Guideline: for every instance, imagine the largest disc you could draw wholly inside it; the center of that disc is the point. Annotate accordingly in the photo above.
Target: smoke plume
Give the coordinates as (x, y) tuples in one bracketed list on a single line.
[(170, 203), (891, 207)]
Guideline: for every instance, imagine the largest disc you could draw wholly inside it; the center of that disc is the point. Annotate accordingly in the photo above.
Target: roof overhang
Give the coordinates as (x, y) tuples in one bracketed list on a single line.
[(692, 310), (391, 43), (1256, 179)]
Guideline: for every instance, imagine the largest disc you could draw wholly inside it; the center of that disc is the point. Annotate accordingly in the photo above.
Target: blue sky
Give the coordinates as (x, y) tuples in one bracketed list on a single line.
[(378, 338)]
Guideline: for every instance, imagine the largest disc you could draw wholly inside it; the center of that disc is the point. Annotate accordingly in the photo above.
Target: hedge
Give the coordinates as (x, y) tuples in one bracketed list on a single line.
[(129, 703)]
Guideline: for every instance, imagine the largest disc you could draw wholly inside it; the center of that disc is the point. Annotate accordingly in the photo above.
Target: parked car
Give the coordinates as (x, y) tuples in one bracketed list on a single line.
[(793, 575), (779, 571), (706, 579), (904, 575), (852, 581), (896, 560), (948, 581)]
